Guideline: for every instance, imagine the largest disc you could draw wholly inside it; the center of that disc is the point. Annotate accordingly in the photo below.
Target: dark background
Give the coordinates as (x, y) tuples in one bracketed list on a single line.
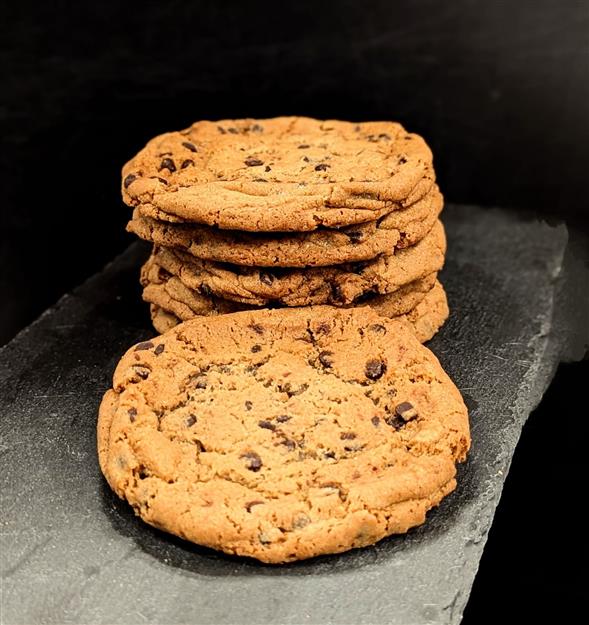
[(499, 89)]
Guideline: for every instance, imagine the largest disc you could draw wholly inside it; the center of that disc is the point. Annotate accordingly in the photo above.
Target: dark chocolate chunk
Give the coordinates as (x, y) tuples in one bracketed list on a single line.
[(205, 289), (267, 168), (321, 167), (329, 454), (142, 372), (402, 160), (186, 163), (253, 162), (132, 412), (128, 180), (191, 420), (144, 346), (221, 130), (233, 131), (394, 421), (198, 381), (159, 349), (306, 159), (375, 421), (406, 411), (248, 405), (355, 236), (253, 461), (303, 146), (167, 163), (256, 348), (288, 443), (189, 146), (375, 369), (266, 278), (266, 425), (257, 128), (347, 436), (291, 390), (325, 359), (283, 418)]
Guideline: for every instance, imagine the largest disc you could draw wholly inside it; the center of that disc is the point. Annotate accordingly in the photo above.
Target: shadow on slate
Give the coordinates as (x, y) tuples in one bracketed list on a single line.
[(73, 553)]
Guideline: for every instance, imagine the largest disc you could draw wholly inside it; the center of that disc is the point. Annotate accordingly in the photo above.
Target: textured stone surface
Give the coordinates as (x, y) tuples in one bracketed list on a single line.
[(73, 553)]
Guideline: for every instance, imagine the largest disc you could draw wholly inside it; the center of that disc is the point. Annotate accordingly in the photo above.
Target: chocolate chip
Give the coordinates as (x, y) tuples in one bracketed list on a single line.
[(288, 443), (402, 160), (257, 128), (257, 328), (375, 369), (306, 159), (347, 436), (159, 349), (266, 278), (189, 146), (321, 167), (253, 162), (256, 348), (205, 289), (198, 381), (377, 328), (233, 131), (128, 180), (336, 293), (353, 447), (132, 412), (167, 163), (329, 454), (248, 405), (253, 461), (323, 328), (375, 421), (291, 390), (142, 372), (199, 445), (325, 359), (384, 136), (190, 421), (355, 236), (250, 504), (143, 346), (221, 130), (406, 411), (394, 421), (266, 425), (186, 163), (283, 418), (260, 180), (267, 168), (303, 146), (162, 180)]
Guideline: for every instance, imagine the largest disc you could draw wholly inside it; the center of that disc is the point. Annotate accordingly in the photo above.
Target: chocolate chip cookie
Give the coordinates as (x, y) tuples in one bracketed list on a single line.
[(282, 174), (336, 284), (283, 434), (422, 303), (324, 246)]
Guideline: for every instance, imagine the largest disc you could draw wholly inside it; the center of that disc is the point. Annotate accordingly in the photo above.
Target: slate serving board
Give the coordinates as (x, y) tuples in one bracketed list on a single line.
[(73, 553)]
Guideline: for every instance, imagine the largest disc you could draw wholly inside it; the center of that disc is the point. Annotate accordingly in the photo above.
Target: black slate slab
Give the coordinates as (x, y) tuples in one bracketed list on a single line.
[(73, 553)]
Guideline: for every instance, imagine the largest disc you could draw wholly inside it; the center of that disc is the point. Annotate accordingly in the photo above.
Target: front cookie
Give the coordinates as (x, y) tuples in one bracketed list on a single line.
[(283, 434)]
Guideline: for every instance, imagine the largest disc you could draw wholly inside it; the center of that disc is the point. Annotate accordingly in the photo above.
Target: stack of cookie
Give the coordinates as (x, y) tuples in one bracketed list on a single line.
[(289, 212)]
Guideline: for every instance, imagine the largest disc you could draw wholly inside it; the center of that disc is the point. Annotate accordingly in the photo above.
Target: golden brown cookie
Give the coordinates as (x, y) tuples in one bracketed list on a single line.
[(426, 311), (326, 246), (283, 434), (282, 174), (336, 284)]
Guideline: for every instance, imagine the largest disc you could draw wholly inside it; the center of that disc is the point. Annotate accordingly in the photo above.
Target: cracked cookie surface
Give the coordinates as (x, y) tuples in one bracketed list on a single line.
[(281, 174), (326, 246), (283, 434)]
